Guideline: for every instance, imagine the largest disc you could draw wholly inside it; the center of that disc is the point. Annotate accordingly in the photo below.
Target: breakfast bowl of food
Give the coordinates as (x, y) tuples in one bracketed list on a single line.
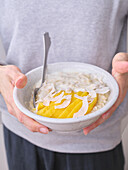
[(73, 95)]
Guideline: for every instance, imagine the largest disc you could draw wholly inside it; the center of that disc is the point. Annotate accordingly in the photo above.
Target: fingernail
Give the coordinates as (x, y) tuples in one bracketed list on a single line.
[(43, 130), (20, 82)]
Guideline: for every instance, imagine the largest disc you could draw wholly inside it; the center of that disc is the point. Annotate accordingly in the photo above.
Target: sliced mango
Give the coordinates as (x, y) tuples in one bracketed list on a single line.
[(69, 109), (40, 106), (91, 105), (43, 110), (79, 105), (56, 112), (68, 112)]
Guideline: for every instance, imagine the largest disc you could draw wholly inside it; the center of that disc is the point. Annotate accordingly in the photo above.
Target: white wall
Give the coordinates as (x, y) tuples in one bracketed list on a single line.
[(3, 160)]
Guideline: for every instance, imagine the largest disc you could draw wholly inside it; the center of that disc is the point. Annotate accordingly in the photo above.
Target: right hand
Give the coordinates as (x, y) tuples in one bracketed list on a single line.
[(11, 76)]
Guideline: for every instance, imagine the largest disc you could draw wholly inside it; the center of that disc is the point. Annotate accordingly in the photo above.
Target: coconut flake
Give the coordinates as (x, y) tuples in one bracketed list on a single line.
[(42, 93), (46, 90), (91, 87), (67, 97), (79, 97), (46, 101), (83, 109), (52, 87), (102, 90), (92, 94), (39, 101), (37, 107), (90, 100), (63, 105), (47, 98), (57, 97), (52, 95), (79, 89)]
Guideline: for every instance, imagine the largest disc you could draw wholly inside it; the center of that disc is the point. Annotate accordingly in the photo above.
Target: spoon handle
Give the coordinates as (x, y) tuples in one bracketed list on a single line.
[(47, 43)]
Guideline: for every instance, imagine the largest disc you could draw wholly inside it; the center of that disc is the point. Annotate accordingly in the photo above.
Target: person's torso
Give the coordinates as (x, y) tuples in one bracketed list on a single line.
[(84, 31)]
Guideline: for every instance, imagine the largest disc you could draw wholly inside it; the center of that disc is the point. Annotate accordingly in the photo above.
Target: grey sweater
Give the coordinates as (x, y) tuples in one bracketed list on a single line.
[(86, 31)]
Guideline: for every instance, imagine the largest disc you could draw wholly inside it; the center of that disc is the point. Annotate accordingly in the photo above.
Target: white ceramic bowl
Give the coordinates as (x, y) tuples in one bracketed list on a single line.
[(22, 96)]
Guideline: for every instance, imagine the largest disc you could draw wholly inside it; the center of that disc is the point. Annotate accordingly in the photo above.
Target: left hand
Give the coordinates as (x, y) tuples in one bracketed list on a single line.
[(120, 73)]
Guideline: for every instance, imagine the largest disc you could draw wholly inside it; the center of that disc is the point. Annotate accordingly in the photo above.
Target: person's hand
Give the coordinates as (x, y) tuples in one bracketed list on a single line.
[(120, 73), (11, 76)]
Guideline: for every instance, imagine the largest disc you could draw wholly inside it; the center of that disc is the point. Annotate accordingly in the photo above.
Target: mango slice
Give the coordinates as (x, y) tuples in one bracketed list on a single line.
[(79, 105), (69, 109), (56, 112), (43, 110), (68, 112), (40, 106), (91, 105)]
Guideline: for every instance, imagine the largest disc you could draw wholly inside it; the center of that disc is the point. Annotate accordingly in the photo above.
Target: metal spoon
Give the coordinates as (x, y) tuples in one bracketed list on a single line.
[(47, 43)]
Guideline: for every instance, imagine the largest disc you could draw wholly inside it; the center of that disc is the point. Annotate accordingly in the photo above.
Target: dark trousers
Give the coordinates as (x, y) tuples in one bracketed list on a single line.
[(22, 155)]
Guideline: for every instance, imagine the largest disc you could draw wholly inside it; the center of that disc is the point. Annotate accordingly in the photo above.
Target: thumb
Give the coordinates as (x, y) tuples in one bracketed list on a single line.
[(121, 66), (120, 63), (21, 81), (16, 77)]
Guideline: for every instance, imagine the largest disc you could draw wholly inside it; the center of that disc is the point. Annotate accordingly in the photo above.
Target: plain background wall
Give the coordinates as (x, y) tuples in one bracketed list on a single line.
[(3, 161)]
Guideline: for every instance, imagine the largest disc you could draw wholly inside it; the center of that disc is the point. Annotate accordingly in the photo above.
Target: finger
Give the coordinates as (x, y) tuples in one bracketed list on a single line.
[(10, 109), (17, 78), (7, 95), (13, 110), (21, 82), (121, 66), (120, 57), (120, 61), (95, 124), (30, 123)]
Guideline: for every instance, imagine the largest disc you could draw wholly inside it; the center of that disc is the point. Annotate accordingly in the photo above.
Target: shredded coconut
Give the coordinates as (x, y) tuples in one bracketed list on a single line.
[(83, 109)]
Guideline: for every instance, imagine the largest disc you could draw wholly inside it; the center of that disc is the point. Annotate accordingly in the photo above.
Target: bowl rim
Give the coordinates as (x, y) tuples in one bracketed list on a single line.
[(92, 115)]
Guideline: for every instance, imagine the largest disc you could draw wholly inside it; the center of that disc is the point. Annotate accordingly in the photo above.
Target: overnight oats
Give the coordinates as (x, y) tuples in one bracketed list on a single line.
[(70, 95)]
